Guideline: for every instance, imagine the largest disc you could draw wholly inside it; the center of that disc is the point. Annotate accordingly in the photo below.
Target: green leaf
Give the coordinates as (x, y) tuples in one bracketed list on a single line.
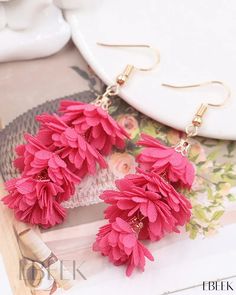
[(188, 227), (199, 213), (231, 176), (113, 108), (199, 164), (193, 159), (230, 179), (147, 126), (210, 142), (192, 229), (217, 170), (213, 155), (231, 197), (231, 146), (193, 234), (227, 166), (218, 197), (217, 215), (210, 194), (135, 151)]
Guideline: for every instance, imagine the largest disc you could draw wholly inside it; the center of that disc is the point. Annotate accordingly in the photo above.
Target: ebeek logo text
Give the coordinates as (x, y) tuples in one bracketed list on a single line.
[(217, 286)]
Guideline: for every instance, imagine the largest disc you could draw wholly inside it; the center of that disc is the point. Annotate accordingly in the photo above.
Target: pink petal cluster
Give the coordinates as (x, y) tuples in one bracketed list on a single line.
[(179, 205), (119, 242), (37, 162), (175, 167), (35, 201), (99, 128), (45, 182), (26, 152), (70, 145), (150, 198), (146, 204), (65, 149)]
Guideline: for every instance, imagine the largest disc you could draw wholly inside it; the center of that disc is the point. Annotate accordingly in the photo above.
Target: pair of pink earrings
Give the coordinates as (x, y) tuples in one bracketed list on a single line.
[(149, 204), (145, 206)]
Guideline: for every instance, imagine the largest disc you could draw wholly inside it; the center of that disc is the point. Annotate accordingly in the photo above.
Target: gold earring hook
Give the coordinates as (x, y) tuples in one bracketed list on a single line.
[(192, 129), (226, 87), (154, 50), (113, 90)]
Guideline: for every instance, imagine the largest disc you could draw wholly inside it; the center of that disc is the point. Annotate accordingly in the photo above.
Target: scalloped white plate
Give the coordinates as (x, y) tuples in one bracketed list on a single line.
[(197, 43)]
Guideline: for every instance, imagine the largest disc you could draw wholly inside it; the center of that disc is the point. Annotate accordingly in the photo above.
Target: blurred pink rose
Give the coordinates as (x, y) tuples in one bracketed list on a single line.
[(130, 124), (121, 164)]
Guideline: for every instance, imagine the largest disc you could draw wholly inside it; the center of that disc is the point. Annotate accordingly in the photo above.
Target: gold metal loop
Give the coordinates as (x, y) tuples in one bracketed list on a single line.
[(112, 90), (152, 49), (103, 100), (226, 87), (191, 130), (183, 146)]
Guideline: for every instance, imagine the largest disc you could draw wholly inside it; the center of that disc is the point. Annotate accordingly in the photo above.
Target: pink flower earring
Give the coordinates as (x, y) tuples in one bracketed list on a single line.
[(65, 149), (150, 204), (92, 120), (171, 162)]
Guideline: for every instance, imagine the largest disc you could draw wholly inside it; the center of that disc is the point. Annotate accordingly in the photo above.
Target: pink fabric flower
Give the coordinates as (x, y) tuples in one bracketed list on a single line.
[(19, 161), (41, 164), (118, 241), (26, 152), (166, 161), (98, 127), (150, 199), (179, 205), (35, 201), (70, 145)]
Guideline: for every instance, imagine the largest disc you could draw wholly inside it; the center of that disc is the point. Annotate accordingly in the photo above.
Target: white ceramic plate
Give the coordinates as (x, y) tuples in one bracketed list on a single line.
[(197, 43)]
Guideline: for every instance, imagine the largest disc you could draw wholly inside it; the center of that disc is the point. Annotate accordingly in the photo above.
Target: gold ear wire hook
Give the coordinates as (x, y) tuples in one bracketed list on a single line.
[(113, 90), (228, 91), (154, 50), (192, 129)]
